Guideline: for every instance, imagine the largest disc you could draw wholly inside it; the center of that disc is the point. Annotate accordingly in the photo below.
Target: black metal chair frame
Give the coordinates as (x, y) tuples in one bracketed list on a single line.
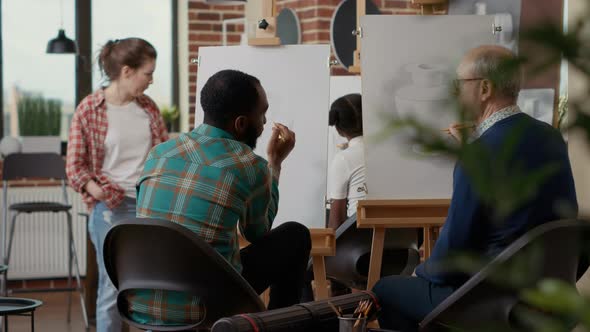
[(45, 166)]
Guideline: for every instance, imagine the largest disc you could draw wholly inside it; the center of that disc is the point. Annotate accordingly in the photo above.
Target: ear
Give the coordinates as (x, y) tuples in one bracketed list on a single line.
[(486, 90), (241, 124), (126, 71)]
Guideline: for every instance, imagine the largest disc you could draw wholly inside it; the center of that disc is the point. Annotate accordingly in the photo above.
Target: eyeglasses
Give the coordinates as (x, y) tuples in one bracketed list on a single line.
[(457, 83)]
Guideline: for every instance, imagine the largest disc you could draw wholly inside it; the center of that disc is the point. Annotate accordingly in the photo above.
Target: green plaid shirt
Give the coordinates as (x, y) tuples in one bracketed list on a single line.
[(206, 181)]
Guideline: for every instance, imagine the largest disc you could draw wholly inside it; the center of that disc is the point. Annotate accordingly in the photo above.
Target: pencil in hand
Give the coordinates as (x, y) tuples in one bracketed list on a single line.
[(281, 137), (458, 127)]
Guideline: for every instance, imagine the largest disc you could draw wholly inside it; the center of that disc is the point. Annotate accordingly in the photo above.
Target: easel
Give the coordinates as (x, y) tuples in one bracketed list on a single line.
[(323, 243), (266, 30), (427, 7), (428, 214), (323, 240), (361, 9)]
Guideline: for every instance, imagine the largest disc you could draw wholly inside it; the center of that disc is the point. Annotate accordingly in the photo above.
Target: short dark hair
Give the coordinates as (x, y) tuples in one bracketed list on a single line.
[(346, 114), (227, 95)]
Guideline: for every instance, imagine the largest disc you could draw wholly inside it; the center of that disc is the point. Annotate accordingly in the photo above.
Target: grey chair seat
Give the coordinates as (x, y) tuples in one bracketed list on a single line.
[(29, 207)]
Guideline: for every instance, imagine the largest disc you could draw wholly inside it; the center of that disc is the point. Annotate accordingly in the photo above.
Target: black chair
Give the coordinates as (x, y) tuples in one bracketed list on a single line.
[(350, 266), (162, 255), (481, 302), (45, 166)]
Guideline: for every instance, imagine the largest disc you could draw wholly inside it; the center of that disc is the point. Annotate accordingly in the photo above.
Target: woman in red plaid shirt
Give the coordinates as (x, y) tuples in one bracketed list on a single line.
[(112, 131)]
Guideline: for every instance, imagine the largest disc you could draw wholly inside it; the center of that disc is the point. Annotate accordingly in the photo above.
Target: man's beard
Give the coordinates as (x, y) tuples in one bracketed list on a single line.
[(251, 136)]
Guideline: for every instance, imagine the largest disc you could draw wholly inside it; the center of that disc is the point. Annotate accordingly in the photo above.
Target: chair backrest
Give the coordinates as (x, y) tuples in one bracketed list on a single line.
[(350, 265), (551, 250), (158, 254), (33, 165)]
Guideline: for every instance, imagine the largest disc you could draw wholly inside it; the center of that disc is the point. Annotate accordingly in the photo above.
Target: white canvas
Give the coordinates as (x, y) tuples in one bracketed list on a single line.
[(297, 82), (407, 65)]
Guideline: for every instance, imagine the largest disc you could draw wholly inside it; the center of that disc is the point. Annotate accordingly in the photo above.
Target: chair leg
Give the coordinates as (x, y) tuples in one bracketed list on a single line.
[(7, 258), (12, 227), (70, 240), (74, 255)]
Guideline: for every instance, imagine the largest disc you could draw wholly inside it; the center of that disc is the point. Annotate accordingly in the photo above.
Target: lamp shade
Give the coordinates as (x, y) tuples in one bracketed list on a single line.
[(61, 44)]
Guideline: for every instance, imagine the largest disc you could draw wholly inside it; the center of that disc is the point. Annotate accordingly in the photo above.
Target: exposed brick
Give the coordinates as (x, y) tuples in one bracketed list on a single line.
[(234, 39), (396, 4), (307, 13), (200, 26), (329, 2), (205, 37), (227, 8), (235, 28), (198, 5), (207, 16), (316, 25), (227, 16), (326, 12)]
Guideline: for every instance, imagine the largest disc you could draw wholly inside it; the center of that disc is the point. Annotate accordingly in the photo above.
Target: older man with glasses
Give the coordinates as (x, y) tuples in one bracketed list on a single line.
[(487, 88)]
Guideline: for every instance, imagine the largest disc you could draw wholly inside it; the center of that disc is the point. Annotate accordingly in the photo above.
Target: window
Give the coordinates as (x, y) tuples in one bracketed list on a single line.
[(147, 19), (27, 26)]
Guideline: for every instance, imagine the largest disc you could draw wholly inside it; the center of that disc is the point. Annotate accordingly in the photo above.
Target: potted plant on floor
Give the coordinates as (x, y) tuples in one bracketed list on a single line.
[(39, 122)]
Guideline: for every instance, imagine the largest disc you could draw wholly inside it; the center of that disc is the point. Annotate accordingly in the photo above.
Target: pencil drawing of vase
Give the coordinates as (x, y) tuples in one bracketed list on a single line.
[(426, 98)]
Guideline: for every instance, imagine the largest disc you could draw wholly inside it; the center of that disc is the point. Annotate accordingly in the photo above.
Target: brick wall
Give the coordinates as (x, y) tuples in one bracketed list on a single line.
[(314, 16)]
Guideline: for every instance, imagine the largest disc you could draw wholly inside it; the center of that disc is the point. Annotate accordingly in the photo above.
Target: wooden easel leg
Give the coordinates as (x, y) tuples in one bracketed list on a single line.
[(427, 242), (376, 257), (319, 276), (265, 297)]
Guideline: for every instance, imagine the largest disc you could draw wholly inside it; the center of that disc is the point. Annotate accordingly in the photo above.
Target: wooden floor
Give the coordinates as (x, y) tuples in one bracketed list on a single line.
[(52, 315)]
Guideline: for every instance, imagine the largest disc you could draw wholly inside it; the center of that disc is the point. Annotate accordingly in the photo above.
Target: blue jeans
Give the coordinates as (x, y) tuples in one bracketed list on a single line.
[(405, 301), (101, 220)]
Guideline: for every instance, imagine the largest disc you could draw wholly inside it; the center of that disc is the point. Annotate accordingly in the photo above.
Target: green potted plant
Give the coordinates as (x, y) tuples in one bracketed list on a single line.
[(170, 114), (39, 123)]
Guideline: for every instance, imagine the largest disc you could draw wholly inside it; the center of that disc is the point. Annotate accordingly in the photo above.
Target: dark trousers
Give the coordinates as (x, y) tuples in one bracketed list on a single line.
[(405, 301), (278, 260)]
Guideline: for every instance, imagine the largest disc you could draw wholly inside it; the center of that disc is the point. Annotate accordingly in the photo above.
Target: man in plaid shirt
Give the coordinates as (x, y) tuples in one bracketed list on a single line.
[(210, 181)]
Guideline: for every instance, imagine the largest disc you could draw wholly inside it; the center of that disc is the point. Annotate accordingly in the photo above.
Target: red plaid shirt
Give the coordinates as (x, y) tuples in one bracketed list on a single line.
[(86, 150)]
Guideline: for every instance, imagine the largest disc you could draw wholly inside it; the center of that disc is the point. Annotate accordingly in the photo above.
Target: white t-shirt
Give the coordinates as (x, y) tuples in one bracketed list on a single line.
[(347, 175), (127, 144)]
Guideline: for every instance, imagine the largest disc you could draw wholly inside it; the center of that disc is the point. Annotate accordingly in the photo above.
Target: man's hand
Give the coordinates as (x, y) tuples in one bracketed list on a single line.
[(95, 190), (457, 129), (282, 142)]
